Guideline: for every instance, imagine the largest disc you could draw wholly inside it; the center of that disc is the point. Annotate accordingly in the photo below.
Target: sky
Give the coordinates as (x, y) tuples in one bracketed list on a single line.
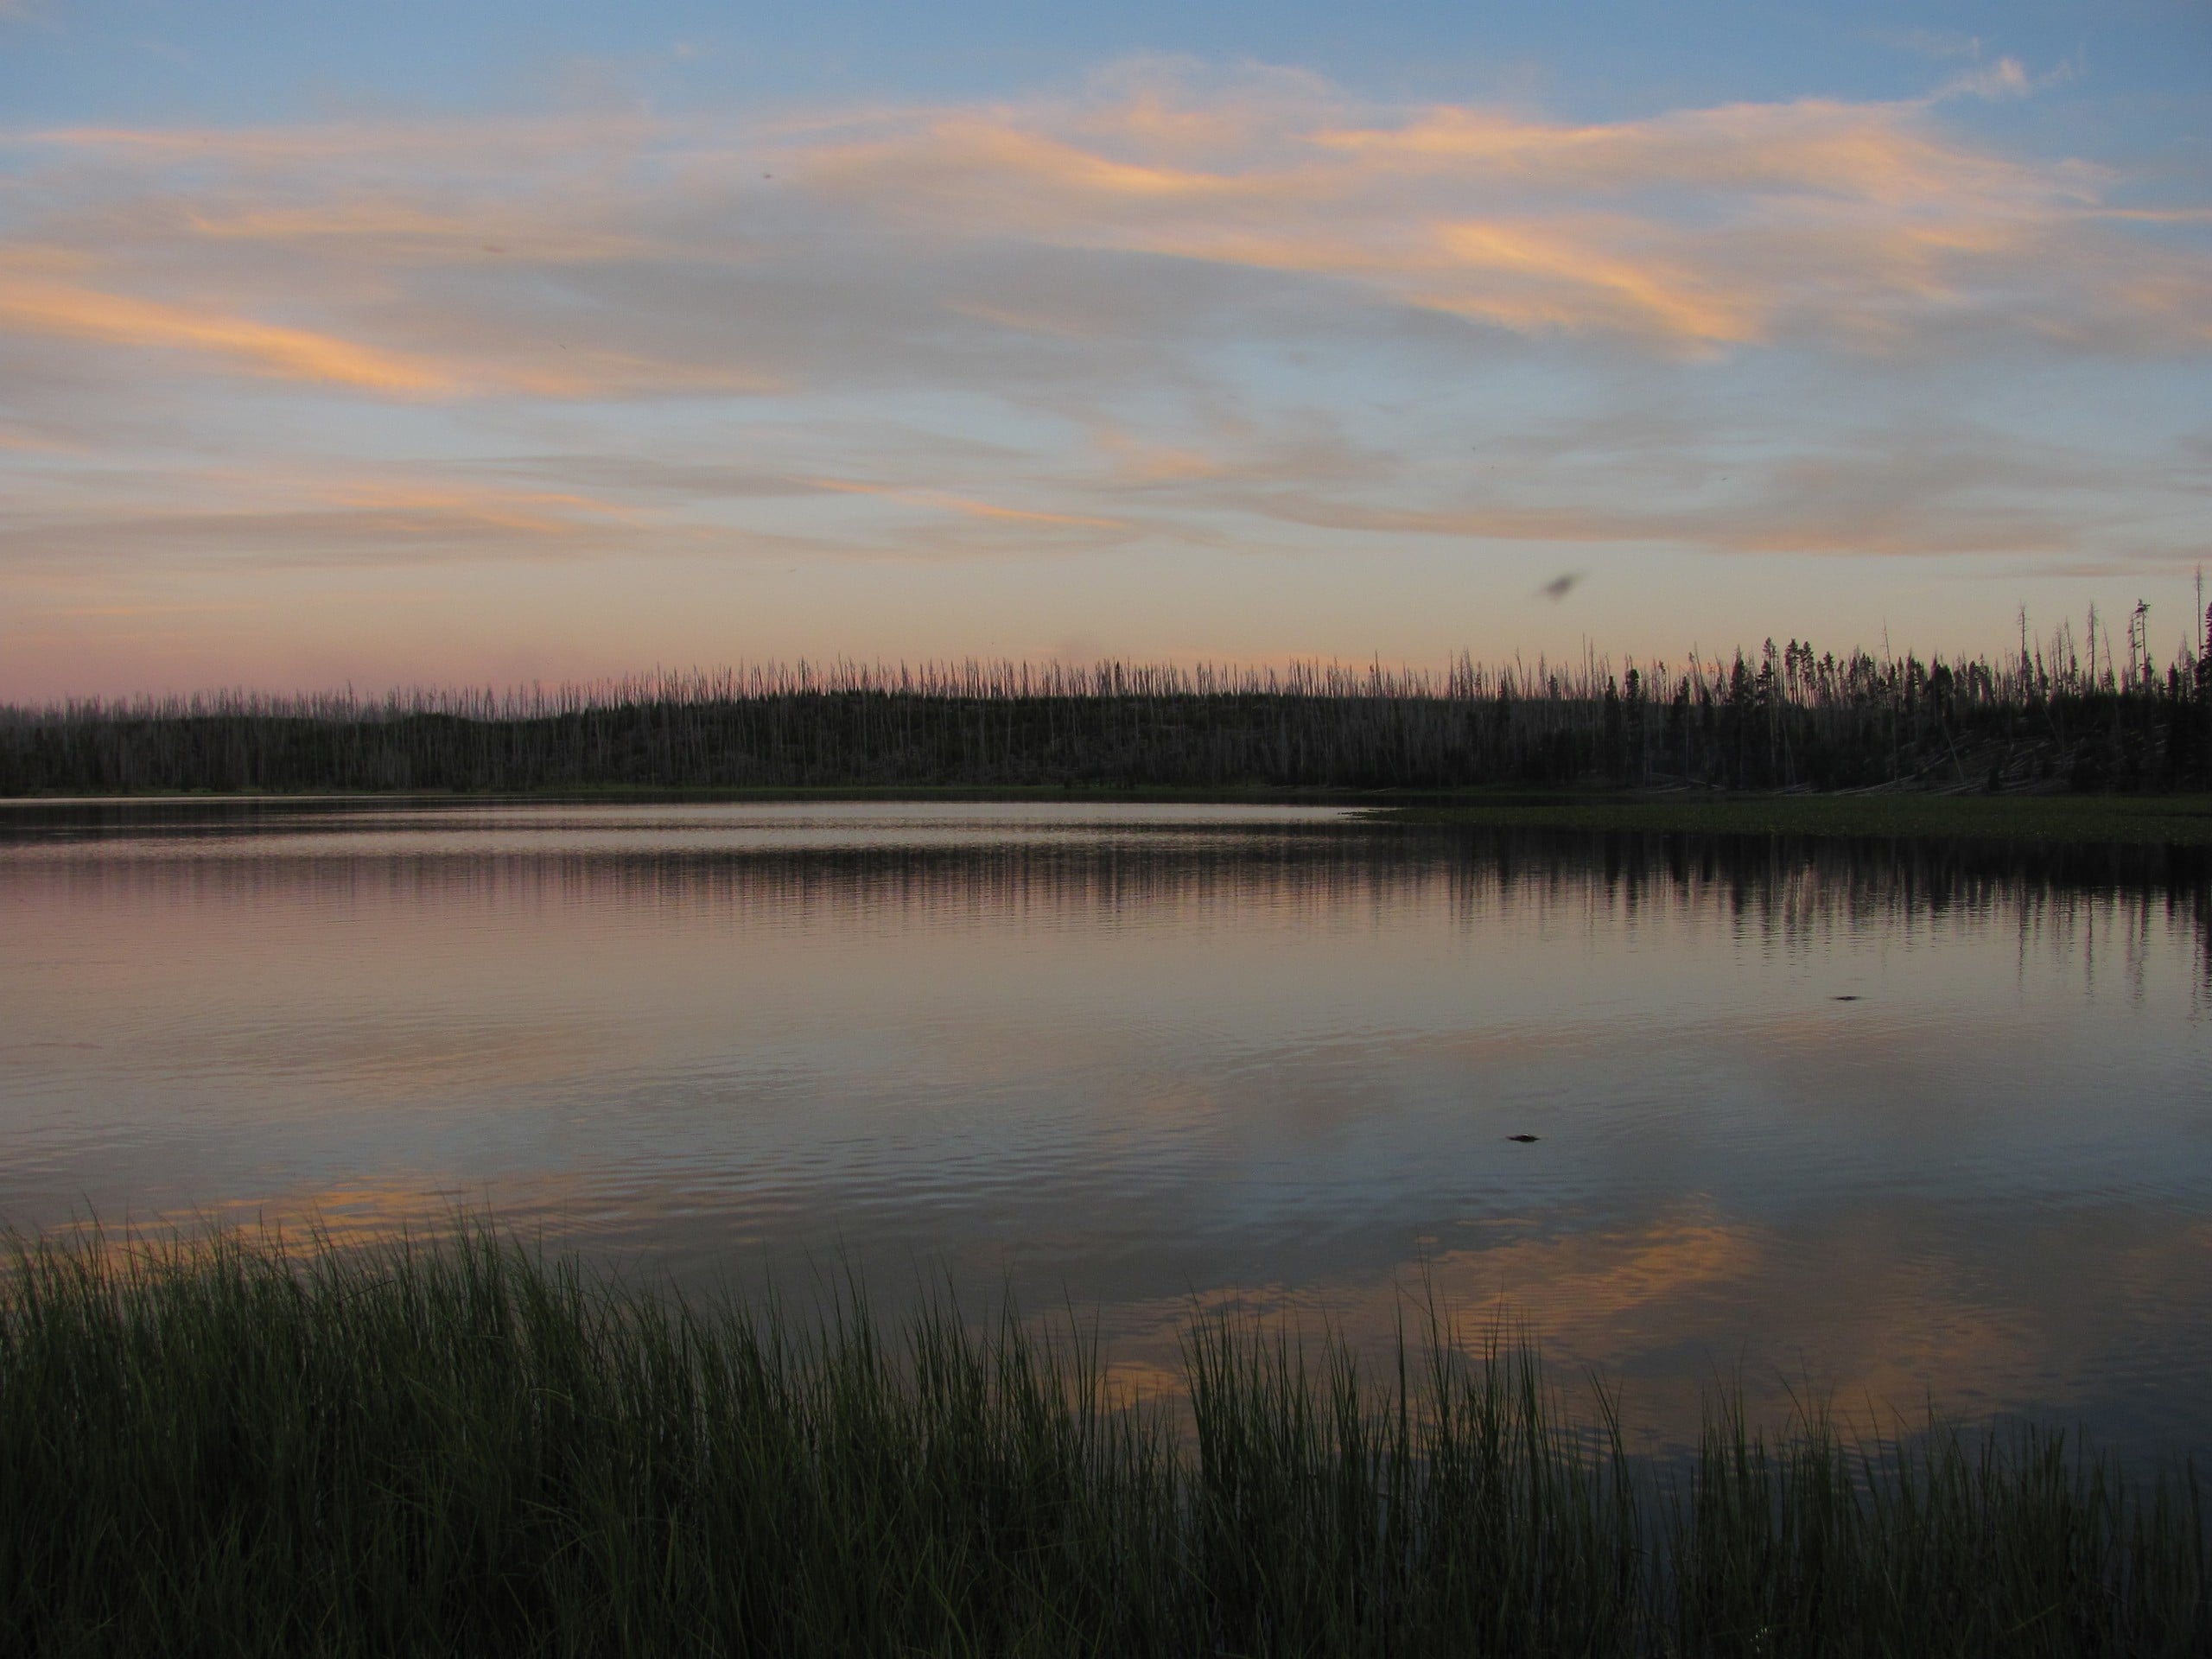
[(490, 343)]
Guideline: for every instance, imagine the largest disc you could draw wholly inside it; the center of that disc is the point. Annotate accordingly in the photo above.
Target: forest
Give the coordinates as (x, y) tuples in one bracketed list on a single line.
[(2054, 716)]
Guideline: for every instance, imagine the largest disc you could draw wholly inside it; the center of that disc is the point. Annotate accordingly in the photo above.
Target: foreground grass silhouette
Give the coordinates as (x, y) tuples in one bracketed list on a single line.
[(231, 1447)]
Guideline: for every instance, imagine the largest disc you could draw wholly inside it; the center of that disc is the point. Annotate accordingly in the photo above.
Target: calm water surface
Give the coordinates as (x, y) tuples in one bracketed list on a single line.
[(1893, 1122)]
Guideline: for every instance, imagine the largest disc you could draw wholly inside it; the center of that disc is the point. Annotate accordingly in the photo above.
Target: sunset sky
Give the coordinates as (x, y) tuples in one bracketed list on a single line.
[(485, 343)]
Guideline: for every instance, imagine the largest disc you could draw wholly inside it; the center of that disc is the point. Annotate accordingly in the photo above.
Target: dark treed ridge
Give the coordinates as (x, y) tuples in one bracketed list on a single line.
[(1781, 718)]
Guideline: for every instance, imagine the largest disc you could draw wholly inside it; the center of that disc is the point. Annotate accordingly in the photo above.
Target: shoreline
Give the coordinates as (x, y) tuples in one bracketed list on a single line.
[(2059, 819)]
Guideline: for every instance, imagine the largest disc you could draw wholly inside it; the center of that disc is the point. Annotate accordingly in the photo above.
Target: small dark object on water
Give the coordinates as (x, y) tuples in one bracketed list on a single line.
[(1851, 998), (1523, 1139)]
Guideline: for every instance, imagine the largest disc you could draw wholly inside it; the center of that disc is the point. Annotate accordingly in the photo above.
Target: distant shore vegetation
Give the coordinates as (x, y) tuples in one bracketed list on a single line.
[(232, 1445), (2052, 717)]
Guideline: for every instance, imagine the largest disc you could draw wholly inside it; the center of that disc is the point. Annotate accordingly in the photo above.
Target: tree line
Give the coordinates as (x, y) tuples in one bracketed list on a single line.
[(2052, 716)]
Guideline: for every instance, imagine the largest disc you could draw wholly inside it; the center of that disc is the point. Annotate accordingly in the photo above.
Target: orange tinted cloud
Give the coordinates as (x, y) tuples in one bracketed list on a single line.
[(1819, 148), (1677, 301), (1702, 228), (553, 370), (1692, 232), (960, 300), (46, 308)]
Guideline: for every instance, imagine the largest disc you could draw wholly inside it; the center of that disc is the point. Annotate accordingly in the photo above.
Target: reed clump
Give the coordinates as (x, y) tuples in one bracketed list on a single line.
[(230, 1447)]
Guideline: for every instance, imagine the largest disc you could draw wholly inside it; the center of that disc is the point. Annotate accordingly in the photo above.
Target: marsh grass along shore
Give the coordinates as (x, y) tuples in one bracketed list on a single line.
[(2167, 820), (232, 1446)]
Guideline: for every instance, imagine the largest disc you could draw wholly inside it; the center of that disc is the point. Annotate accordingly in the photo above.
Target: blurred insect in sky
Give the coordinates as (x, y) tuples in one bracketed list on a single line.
[(1559, 587)]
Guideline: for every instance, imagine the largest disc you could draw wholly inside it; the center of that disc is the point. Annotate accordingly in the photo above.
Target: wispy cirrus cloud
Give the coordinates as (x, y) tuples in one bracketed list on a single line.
[(249, 522), (1163, 316), (50, 308), (1838, 224), (1850, 224), (963, 504)]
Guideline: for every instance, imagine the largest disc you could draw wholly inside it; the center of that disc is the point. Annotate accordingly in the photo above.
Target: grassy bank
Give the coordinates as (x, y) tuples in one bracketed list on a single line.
[(469, 1449), (2122, 820)]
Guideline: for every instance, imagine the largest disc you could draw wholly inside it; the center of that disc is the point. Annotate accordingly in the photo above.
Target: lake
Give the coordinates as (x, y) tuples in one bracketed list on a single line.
[(1889, 1122)]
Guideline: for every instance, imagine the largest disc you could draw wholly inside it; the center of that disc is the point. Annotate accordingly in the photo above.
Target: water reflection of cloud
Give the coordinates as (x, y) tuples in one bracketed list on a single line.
[(1141, 1065), (1858, 1312)]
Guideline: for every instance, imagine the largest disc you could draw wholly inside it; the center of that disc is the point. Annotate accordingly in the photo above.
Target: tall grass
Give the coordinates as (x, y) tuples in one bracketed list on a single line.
[(1781, 717), (232, 1447)]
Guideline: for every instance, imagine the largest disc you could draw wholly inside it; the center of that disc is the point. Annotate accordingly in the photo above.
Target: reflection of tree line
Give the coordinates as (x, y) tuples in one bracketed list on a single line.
[(2046, 718), (1782, 888), (1789, 887), (1163, 869)]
